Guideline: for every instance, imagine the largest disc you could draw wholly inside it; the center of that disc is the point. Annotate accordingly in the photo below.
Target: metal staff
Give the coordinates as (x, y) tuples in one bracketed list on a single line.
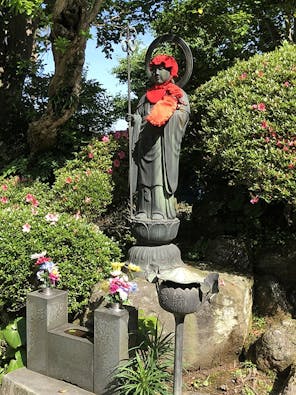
[(128, 45)]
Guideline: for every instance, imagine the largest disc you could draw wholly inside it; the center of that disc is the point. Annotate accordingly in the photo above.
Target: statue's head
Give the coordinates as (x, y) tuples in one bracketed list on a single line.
[(163, 68)]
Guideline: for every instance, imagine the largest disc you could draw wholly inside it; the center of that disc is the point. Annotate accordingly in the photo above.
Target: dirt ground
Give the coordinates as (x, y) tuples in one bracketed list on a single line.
[(242, 379)]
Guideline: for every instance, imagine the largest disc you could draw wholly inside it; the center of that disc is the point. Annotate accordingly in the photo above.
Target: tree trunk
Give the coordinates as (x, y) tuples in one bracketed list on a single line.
[(16, 46), (71, 22)]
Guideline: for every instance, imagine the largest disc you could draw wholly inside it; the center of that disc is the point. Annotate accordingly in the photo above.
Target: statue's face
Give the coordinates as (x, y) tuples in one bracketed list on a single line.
[(160, 74)]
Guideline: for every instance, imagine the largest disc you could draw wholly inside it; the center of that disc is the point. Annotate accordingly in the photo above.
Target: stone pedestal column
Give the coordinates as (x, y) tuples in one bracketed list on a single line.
[(110, 345), (44, 312)]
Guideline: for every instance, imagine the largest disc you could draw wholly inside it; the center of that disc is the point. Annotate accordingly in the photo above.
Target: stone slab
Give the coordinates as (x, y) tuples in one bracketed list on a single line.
[(26, 382)]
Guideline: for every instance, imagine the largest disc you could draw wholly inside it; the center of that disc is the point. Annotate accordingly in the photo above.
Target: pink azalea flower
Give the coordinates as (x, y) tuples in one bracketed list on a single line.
[(261, 107), (34, 211), (116, 163), (254, 199), (35, 202), (4, 187), (117, 135), (90, 155), (285, 148), (267, 139), (105, 139), (286, 84), (4, 199), (77, 215), (121, 154), (68, 180), (109, 171), (52, 218), (29, 197), (291, 165), (26, 228), (264, 124), (243, 76)]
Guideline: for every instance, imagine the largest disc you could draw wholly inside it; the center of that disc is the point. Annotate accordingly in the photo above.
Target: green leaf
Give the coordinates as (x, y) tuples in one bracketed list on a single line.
[(14, 333)]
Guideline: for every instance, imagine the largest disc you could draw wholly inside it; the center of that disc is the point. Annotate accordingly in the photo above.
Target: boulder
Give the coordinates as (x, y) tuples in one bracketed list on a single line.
[(290, 386), (214, 335), (276, 348)]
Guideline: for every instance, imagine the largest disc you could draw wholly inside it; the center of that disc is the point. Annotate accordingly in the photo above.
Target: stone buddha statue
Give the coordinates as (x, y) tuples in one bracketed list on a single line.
[(158, 128)]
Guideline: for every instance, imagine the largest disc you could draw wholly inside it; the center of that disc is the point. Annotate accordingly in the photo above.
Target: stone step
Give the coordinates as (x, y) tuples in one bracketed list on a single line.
[(26, 382)]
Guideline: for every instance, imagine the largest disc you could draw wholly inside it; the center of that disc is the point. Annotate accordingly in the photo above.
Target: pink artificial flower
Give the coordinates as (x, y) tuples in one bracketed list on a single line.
[(116, 163), (52, 218), (4, 199), (243, 76), (121, 154), (105, 139), (117, 135), (4, 187), (109, 171), (68, 180), (264, 124), (54, 276), (90, 155), (254, 199), (26, 228)]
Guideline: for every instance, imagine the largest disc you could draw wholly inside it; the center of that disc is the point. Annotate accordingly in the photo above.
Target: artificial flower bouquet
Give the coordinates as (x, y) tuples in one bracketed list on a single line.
[(48, 272), (118, 286)]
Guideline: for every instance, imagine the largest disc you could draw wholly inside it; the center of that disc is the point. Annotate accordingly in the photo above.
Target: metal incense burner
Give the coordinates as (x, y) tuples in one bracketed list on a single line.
[(181, 293)]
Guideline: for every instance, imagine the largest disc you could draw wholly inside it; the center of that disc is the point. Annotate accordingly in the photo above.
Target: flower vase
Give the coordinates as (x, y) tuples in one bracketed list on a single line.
[(116, 306), (46, 290)]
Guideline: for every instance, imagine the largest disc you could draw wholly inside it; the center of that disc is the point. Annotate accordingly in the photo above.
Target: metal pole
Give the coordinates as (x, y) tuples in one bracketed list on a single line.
[(128, 46), (179, 330)]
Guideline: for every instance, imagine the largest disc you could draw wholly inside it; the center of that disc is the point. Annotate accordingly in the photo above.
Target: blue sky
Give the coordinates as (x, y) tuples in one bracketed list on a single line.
[(98, 67)]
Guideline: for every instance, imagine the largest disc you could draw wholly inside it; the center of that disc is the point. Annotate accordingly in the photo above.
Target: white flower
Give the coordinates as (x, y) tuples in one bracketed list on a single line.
[(38, 255), (26, 228), (52, 218)]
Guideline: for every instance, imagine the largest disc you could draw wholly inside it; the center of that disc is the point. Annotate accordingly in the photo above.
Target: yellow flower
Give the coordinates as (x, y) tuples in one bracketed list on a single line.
[(117, 265), (134, 268)]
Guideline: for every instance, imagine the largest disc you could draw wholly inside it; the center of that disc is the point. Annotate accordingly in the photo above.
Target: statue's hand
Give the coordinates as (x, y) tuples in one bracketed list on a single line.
[(130, 118)]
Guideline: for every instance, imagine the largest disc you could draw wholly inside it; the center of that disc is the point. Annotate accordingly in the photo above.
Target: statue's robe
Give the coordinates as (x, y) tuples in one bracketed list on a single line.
[(155, 159)]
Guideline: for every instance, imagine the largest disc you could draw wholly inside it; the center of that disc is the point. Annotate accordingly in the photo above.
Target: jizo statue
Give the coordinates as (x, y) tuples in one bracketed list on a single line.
[(159, 125)]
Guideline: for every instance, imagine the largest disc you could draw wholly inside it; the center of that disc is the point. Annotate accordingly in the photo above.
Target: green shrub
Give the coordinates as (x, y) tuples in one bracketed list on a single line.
[(244, 126), (81, 250), (84, 184)]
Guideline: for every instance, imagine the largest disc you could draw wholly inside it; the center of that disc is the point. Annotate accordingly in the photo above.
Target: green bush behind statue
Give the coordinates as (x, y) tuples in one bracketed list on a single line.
[(243, 127)]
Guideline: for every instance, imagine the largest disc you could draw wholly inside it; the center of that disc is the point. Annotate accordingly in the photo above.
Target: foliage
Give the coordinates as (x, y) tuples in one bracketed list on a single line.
[(27, 7), (12, 342), (80, 249), (219, 32), (147, 372), (243, 126)]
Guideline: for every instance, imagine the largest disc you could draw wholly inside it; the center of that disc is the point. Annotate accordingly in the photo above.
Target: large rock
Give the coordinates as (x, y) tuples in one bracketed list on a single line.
[(290, 386), (214, 335), (276, 349)]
